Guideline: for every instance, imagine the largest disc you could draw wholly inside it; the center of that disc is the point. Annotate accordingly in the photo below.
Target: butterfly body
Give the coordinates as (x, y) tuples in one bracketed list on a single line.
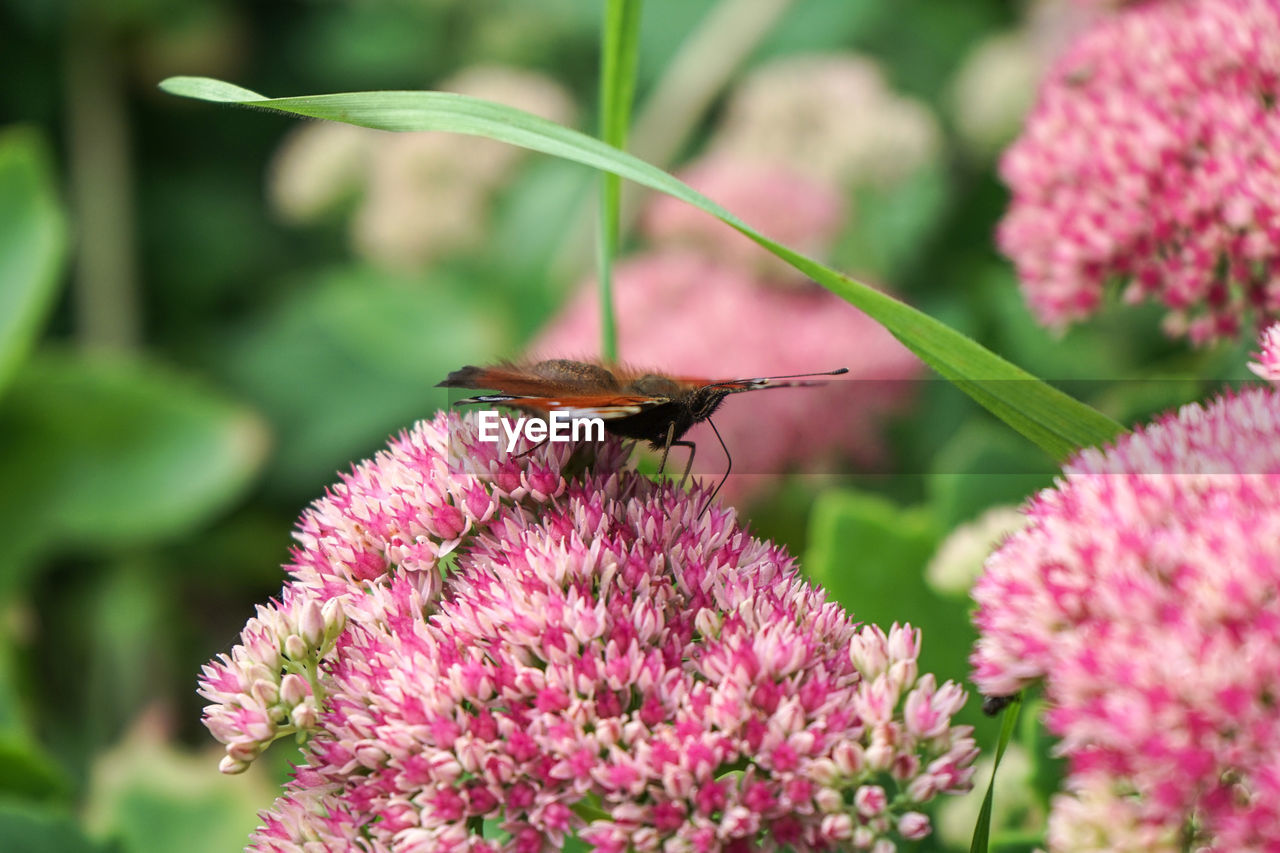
[(648, 407)]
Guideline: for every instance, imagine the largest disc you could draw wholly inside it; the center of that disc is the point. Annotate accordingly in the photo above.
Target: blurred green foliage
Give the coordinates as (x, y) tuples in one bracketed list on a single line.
[(148, 486)]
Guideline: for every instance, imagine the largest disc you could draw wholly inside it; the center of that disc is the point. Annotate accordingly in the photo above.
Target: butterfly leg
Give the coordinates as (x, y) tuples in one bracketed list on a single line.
[(666, 451), (666, 448), (688, 466), (728, 468)]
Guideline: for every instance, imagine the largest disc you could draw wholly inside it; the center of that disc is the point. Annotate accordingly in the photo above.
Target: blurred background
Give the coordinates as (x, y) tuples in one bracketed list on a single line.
[(206, 313)]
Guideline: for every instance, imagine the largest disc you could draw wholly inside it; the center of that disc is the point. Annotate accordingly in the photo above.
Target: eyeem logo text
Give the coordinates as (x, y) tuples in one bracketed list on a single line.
[(560, 426)]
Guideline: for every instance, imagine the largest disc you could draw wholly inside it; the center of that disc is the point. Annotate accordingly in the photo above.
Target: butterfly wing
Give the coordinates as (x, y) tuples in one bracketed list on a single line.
[(576, 406)]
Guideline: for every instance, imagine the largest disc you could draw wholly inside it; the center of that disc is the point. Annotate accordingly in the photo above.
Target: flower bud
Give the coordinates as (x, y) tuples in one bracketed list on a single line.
[(311, 624), (293, 689), (870, 800), (295, 648), (914, 826)]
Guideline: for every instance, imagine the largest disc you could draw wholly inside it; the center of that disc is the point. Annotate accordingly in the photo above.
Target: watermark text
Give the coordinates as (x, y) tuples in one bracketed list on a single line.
[(559, 426)]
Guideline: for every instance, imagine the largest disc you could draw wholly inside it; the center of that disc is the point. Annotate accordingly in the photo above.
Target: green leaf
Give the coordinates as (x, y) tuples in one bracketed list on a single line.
[(982, 830), (979, 468), (26, 827), (153, 797), (1052, 420), (110, 452), (617, 90), (868, 553), (33, 238), (27, 771)]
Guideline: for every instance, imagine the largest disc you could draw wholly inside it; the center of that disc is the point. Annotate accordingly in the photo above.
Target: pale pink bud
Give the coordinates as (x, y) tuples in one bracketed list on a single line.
[(232, 766), (870, 800), (304, 716), (244, 752), (836, 827), (880, 755), (293, 689), (829, 800), (902, 674), (922, 788), (824, 771), (868, 652), (295, 648), (849, 758), (266, 692), (914, 826), (903, 642), (311, 623)]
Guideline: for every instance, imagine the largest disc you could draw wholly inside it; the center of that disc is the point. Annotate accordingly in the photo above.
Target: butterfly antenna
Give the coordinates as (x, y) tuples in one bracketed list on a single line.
[(839, 371), (728, 468)]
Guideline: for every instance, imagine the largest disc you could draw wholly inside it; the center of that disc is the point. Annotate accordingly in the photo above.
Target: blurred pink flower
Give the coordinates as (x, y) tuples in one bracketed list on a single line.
[(685, 315), (1153, 158), (788, 207), (601, 659), (1145, 593), (831, 116), (1100, 815)]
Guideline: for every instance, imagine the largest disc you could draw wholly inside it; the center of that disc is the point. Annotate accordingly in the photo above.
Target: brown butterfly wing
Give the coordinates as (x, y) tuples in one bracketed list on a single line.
[(607, 407)]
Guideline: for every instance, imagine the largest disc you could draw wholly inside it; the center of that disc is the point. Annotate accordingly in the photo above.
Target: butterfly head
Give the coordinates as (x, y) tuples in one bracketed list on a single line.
[(702, 403)]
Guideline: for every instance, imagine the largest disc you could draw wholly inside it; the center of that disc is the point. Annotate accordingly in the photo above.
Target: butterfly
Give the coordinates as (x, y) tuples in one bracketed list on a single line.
[(643, 406)]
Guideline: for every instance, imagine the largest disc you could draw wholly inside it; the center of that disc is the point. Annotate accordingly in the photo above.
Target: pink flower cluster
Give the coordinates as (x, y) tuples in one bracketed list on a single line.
[(600, 658), (1145, 594), (1153, 158)]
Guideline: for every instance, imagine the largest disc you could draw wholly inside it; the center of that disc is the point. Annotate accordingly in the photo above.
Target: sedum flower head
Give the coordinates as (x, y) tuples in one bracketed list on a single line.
[(1152, 158), (601, 658), (1145, 595)]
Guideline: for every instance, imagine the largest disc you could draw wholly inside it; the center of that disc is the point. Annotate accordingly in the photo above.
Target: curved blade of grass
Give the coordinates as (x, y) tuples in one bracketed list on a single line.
[(1049, 418), (982, 829), (621, 38)]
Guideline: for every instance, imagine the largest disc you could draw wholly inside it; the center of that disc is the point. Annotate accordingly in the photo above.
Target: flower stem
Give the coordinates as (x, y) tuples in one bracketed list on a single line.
[(105, 296), (620, 36)]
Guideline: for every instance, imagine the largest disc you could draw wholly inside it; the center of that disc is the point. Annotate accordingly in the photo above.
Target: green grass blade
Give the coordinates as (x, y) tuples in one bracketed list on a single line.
[(1049, 418), (617, 92), (982, 829)]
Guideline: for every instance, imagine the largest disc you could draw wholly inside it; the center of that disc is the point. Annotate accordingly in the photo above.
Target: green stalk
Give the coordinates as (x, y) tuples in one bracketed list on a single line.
[(105, 298), (982, 829), (618, 51)]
